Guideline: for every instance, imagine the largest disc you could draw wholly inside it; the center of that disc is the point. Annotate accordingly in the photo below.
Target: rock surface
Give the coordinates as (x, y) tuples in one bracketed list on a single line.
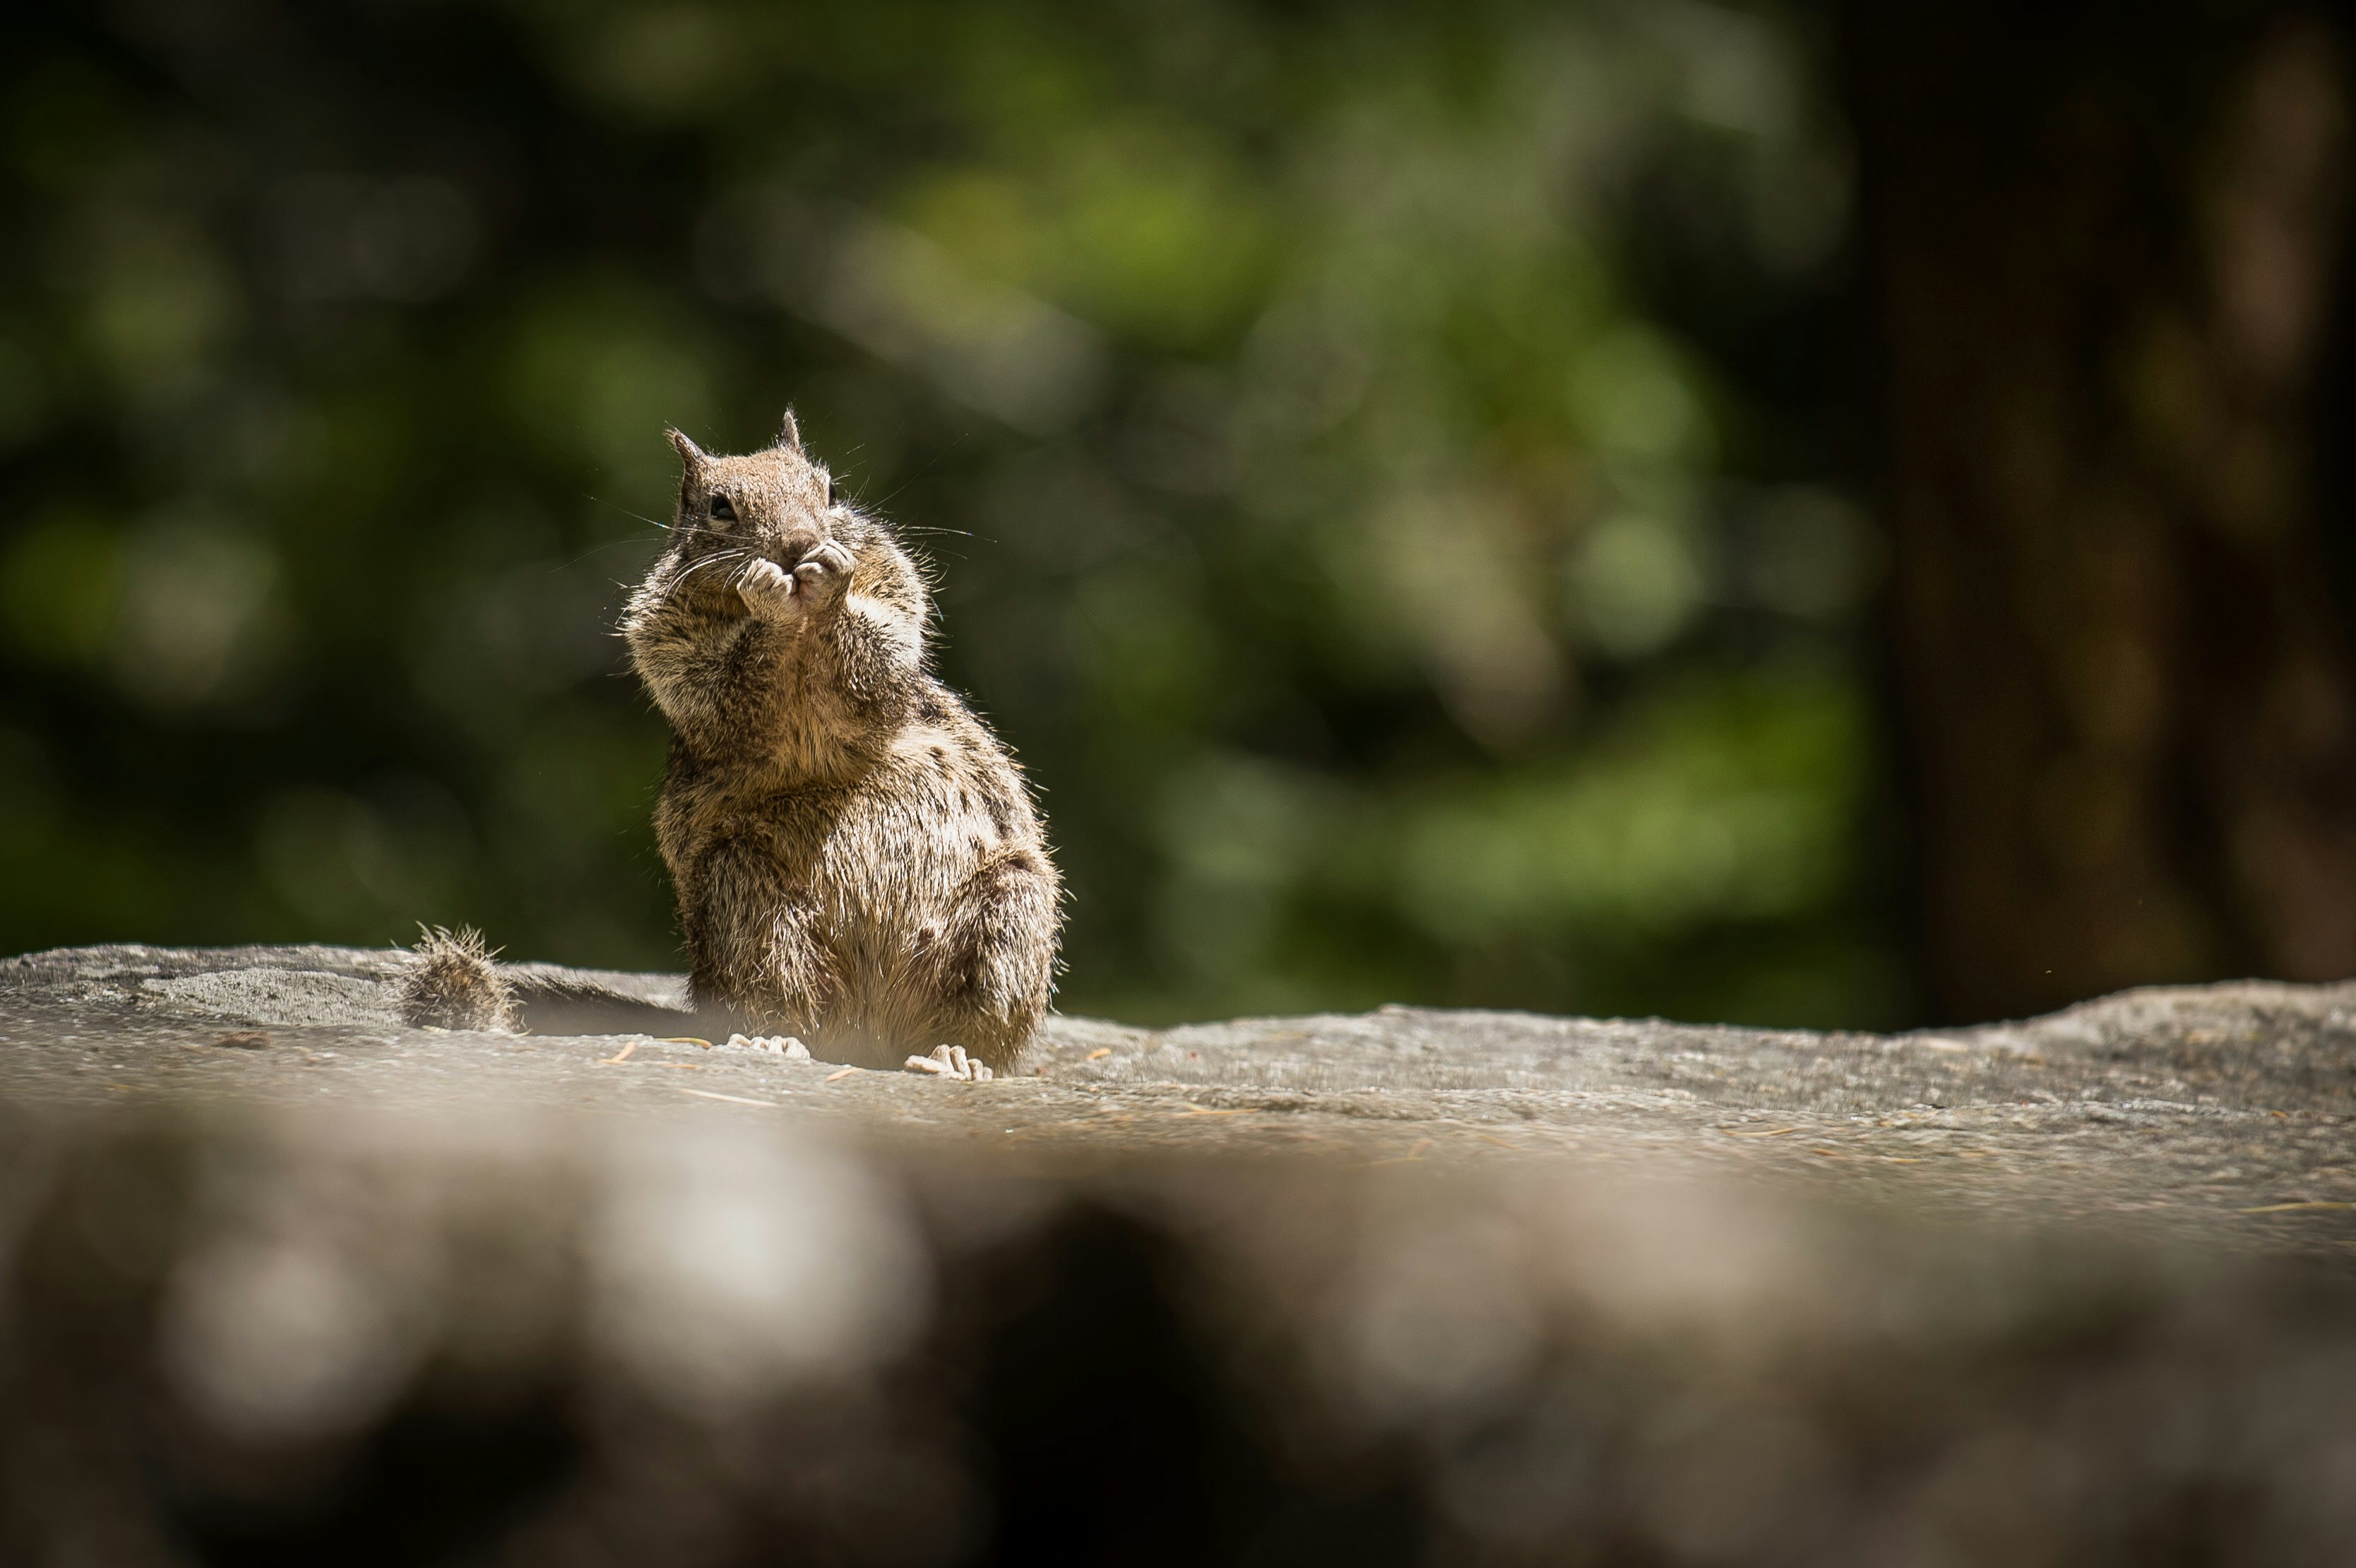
[(2227, 1110), (286, 1281)]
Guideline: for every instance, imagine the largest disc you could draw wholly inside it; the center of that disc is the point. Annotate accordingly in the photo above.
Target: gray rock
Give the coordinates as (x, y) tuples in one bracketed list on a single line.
[(2225, 1110), (287, 1279)]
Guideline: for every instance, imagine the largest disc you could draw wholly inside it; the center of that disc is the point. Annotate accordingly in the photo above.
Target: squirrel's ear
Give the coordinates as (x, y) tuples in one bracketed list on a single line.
[(689, 452), (789, 434)]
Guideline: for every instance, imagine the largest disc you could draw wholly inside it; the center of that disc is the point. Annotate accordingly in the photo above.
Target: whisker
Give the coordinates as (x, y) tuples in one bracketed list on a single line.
[(930, 464), (611, 544), (594, 550), (625, 511), (718, 558), (714, 560)]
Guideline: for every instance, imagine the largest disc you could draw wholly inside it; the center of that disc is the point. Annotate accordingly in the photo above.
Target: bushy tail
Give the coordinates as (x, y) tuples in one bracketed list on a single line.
[(453, 984)]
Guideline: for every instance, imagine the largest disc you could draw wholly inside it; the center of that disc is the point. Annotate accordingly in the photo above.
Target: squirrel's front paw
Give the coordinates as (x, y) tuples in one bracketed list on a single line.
[(768, 590), (773, 592), (825, 572)]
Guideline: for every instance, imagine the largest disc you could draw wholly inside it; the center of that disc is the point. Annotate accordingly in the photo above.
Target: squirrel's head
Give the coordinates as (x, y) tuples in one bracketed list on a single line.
[(778, 502)]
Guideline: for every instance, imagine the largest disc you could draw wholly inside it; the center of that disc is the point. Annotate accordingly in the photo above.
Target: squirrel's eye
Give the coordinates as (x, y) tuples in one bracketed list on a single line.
[(721, 510)]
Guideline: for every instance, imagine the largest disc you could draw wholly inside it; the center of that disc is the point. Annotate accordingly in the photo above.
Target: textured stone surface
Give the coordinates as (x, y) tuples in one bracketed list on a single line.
[(2227, 1110), (283, 1280)]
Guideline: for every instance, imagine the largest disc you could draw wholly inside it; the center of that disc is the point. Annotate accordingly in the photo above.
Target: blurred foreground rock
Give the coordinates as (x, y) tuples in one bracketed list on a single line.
[(289, 1283)]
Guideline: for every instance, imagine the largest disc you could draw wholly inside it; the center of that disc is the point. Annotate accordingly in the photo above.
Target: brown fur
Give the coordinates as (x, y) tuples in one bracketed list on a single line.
[(451, 983), (856, 860)]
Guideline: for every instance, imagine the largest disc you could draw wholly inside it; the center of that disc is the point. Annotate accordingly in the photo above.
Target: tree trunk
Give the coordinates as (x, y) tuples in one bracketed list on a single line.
[(2099, 245)]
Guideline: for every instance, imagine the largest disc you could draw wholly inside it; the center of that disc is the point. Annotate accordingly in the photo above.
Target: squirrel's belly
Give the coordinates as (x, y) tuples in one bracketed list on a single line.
[(881, 864), (896, 868)]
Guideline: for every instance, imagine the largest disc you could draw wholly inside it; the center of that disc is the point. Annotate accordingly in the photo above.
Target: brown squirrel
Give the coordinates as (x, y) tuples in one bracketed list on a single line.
[(856, 859)]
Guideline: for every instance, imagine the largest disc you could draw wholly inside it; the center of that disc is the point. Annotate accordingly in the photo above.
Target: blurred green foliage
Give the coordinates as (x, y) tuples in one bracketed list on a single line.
[(1380, 461)]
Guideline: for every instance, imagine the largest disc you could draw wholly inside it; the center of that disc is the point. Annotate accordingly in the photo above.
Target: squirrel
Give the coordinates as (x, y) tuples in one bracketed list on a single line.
[(856, 859)]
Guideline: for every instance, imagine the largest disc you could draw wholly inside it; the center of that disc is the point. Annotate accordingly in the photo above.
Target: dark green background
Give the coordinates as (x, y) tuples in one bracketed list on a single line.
[(1381, 464)]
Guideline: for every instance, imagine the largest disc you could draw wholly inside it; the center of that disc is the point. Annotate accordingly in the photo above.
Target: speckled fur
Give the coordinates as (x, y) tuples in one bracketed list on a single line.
[(451, 983), (856, 860)]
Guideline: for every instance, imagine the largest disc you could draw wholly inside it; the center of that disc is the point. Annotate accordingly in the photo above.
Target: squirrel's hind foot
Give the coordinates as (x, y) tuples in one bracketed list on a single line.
[(950, 1061)]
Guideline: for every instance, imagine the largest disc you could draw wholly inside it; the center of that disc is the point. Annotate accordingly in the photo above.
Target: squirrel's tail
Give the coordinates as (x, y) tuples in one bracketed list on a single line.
[(453, 984)]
